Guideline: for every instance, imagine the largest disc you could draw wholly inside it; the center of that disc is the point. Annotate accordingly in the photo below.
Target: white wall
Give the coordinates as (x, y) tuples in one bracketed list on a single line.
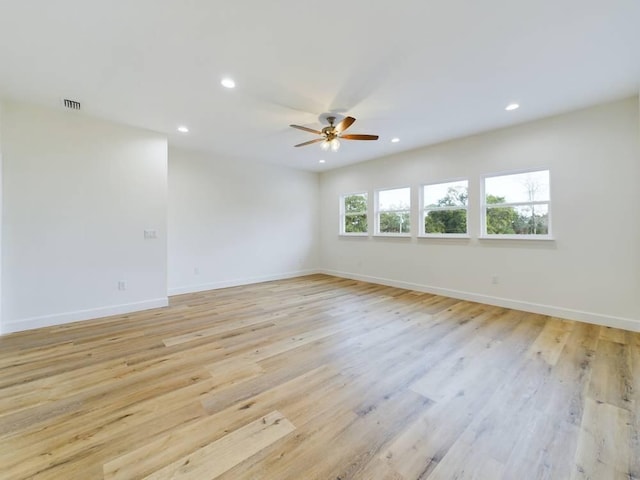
[(78, 194), (1, 195), (591, 272), (232, 223)]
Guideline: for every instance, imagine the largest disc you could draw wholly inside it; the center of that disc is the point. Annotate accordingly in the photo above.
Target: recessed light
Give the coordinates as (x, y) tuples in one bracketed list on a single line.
[(228, 82), (321, 161), (512, 106), (183, 129), (395, 140)]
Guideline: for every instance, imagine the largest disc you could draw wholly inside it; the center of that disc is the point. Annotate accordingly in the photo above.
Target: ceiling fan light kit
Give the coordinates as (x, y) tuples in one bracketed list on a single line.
[(332, 133)]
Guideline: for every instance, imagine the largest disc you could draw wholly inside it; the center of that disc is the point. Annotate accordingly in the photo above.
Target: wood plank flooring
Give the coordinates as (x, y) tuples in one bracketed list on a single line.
[(321, 378)]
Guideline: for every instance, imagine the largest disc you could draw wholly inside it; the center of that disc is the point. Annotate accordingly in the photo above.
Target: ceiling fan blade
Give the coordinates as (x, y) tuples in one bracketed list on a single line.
[(310, 142), (357, 136), (317, 132), (344, 124)]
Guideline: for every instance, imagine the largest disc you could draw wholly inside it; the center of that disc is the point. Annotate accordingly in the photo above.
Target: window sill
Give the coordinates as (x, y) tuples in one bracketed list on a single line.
[(452, 236), (540, 238), (393, 235), (353, 234)]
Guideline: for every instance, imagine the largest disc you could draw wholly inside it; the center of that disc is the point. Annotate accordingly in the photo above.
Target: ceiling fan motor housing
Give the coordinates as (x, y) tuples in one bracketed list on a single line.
[(331, 133)]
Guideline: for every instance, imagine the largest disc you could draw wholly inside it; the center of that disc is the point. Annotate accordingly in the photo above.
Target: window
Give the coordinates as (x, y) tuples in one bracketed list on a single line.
[(393, 211), (354, 214), (517, 205), (444, 208)]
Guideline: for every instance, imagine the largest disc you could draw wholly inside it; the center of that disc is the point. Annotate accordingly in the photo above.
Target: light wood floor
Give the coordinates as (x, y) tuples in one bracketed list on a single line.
[(321, 378)]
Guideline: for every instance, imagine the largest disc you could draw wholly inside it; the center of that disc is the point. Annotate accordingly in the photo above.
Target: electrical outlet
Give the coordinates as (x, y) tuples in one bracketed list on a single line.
[(122, 285), (495, 280), (196, 271), (150, 234)]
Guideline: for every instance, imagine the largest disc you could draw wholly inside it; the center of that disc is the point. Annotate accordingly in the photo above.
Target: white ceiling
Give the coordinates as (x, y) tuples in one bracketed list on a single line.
[(424, 71)]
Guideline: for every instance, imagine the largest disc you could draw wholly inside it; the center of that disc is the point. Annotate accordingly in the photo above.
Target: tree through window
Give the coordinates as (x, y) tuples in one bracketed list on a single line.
[(354, 214), (444, 210), (394, 211), (517, 204)]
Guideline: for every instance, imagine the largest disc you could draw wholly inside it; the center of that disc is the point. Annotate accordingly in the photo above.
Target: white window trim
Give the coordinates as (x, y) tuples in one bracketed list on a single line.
[(483, 208), (377, 211), (393, 235), (540, 238), (445, 235), (343, 216), (422, 210)]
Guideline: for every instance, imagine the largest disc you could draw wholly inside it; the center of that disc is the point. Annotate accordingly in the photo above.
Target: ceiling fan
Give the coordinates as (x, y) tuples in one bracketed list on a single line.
[(331, 134)]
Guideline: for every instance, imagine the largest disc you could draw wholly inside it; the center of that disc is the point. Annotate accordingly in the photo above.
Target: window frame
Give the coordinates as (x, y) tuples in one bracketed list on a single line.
[(422, 210), (483, 207), (377, 211), (344, 214)]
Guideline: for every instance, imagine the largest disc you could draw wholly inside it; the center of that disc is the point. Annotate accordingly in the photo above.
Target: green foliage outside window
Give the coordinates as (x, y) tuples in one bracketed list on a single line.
[(355, 219), (527, 197), (514, 220), (511, 220), (525, 219), (395, 222), (448, 221)]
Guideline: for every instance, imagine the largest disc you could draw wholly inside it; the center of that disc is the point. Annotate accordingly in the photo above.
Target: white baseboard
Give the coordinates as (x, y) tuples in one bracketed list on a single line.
[(579, 315), (238, 282), (68, 317)]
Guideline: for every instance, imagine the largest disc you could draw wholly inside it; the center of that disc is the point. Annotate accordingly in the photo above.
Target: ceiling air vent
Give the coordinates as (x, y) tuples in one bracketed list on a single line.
[(72, 104)]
